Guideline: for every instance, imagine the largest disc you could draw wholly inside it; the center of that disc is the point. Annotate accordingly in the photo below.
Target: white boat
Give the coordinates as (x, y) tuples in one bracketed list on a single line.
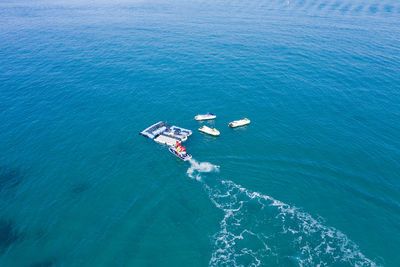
[(208, 116), (208, 130), (238, 123)]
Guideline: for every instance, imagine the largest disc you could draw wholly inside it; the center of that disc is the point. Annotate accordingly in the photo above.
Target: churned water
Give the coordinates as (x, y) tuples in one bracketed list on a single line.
[(314, 179)]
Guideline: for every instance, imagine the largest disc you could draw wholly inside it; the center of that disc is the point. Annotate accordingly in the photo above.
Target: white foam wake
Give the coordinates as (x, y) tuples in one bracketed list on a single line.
[(257, 229), (196, 168), (260, 230)]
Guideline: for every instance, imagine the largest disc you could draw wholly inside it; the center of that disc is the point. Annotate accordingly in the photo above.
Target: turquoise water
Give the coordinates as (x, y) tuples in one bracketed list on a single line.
[(314, 179)]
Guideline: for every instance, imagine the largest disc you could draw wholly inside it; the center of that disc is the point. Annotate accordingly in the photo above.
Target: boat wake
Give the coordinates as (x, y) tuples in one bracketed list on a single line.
[(196, 168), (257, 229)]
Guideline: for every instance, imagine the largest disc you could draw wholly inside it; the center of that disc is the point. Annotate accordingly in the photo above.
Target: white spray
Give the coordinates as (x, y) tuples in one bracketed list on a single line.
[(200, 167)]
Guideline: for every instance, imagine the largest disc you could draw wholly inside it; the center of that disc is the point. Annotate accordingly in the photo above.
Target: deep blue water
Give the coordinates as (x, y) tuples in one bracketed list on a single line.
[(314, 179)]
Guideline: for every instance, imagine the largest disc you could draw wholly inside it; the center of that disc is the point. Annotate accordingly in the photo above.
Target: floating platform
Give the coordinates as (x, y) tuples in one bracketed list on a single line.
[(165, 134), (154, 130), (162, 139)]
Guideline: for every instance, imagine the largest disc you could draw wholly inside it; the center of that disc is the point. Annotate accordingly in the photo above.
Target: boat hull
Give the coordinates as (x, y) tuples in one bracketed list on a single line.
[(182, 156), (205, 117), (239, 123), (209, 131)]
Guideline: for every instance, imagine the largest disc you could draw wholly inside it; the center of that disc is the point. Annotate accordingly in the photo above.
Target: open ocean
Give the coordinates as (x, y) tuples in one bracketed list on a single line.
[(313, 180)]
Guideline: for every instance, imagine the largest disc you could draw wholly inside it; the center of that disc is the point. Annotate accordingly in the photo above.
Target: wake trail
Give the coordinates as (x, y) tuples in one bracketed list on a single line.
[(257, 229), (196, 167)]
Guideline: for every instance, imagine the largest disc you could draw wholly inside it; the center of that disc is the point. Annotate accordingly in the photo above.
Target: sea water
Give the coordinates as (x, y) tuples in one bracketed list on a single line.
[(314, 179)]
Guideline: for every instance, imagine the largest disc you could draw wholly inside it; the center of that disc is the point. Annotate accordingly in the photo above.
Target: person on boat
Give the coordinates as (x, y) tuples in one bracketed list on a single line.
[(177, 144)]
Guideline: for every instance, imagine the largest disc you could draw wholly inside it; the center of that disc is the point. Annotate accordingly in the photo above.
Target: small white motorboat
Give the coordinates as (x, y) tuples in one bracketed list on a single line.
[(238, 123), (208, 130), (208, 116)]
